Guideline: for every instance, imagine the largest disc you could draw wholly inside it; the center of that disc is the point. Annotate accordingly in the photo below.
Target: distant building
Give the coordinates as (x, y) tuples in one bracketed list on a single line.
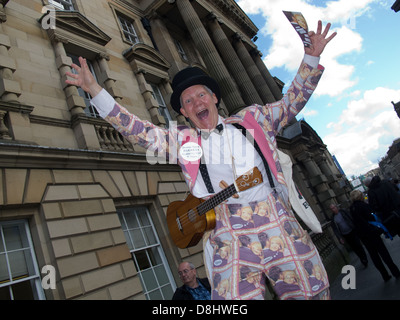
[(390, 164), (397, 108), (338, 165)]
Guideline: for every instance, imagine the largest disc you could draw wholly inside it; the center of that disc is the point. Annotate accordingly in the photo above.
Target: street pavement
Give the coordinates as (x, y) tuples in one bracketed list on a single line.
[(369, 282)]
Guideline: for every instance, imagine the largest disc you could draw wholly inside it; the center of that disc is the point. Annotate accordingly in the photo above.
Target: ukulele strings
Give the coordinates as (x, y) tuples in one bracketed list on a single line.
[(207, 205), (212, 202)]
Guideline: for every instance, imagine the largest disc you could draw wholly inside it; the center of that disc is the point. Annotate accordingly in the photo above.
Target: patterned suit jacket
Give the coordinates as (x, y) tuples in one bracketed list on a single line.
[(263, 122)]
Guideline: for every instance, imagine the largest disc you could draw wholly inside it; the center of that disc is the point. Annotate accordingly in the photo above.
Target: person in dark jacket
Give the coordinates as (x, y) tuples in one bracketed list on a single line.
[(385, 202), (361, 214), (344, 229), (193, 288)]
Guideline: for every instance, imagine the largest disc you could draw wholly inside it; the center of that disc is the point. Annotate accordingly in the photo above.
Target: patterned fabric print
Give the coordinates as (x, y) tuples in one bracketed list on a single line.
[(262, 240)]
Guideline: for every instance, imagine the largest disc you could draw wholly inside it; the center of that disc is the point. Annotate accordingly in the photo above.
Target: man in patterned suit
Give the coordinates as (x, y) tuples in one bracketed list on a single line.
[(227, 154)]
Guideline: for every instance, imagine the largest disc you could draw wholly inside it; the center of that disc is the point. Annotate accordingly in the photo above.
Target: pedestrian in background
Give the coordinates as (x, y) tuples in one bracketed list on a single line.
[(193, 287), (385, 203), (344, 229), (361, 215)]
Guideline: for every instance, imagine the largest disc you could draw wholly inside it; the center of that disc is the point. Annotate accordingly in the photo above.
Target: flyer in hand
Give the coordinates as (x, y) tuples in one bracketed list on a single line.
[(299, 23)]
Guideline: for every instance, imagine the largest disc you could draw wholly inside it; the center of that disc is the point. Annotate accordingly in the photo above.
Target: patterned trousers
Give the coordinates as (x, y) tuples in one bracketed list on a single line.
[(262, 241)]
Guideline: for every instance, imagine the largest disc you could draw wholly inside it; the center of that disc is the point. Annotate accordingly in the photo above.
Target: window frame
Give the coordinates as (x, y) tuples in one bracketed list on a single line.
[(90, 110), (157, 246), (60, 4), (181, 50), (35, 277), (125, 22), (163, 109)]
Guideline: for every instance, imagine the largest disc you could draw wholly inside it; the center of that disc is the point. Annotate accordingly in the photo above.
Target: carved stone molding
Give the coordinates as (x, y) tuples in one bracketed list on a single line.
[(144, 58), (75, 29)]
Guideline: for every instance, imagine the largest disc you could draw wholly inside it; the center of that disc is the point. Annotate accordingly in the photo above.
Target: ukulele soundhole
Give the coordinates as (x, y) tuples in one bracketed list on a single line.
[(192, 216)]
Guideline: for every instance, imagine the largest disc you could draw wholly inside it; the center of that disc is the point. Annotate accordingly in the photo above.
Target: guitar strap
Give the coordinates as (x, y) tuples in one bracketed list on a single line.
[(206, 177), (204, 171), (256, 146)]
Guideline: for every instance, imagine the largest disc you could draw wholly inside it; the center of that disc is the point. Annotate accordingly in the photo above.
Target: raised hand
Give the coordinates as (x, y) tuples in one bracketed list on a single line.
[(319, 40), (84, 78)]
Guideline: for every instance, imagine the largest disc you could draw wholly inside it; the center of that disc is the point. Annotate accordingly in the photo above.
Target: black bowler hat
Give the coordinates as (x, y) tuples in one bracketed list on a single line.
[(189, 77)]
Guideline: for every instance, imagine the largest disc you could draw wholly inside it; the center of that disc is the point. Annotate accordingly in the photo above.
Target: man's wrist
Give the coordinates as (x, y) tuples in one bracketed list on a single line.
[(95, 90)]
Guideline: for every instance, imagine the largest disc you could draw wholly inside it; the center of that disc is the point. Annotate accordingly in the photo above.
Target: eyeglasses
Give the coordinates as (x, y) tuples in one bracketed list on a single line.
[(186, 271)]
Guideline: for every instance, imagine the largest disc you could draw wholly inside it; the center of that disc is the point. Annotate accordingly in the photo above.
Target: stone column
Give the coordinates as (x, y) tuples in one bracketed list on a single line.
[(76, 104), (256, 54), (233, 62), (300, 175), (317, 179), (252, 70), (85, 133), (151, 103), (168, 90), (340, 193), (14, 116), (10, 89), (209, 53), (107, 79), (165, 42)]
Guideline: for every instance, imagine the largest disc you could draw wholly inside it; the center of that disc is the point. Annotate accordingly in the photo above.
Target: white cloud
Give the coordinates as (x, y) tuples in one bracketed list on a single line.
[(287, 50), (368, 124), (308, 112), (372, 103), (355, 93), (336, 79), (365, 130)]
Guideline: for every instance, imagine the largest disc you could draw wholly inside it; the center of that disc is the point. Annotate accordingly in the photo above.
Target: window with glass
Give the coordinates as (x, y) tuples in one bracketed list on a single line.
[(128, 29), (161, 103), (19, 272), (89, 110), (147, 253), (66, 5), (181, 51)]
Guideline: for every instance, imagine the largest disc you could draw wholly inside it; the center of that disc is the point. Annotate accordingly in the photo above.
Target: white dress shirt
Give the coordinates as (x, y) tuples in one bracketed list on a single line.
[(217, 154)]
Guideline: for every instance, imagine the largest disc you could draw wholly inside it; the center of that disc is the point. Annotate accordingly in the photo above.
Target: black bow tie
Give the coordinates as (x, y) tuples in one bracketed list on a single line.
[(218, 129)]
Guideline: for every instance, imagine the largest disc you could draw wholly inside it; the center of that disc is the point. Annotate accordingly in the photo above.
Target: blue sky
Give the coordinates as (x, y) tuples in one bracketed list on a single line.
[(351, 109)]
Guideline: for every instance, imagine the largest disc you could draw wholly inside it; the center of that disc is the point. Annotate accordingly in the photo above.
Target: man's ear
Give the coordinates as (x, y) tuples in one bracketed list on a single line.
[(215, 99), (183, 111)]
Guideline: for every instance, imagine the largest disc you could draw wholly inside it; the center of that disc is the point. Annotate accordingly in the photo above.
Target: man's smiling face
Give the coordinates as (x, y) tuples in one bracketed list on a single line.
[(199, 105)]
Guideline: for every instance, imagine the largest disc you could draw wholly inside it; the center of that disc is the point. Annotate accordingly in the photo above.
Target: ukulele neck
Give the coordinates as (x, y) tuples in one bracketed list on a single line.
[(216, 199)]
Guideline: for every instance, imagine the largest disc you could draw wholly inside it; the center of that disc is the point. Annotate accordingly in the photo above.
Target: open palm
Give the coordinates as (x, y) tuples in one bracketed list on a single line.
[(83, 78), (319, 40)]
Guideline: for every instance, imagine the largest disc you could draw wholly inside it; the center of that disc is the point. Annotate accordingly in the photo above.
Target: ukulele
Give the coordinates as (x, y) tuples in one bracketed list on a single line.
[(188, 220)]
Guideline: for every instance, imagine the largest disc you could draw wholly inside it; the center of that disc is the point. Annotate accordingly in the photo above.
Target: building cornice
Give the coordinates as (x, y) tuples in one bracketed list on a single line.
[(232, 10), (20, 155)]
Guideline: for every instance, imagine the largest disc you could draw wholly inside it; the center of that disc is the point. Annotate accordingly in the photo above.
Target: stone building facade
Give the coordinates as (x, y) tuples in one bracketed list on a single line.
[(82, 212), (390, 164)]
